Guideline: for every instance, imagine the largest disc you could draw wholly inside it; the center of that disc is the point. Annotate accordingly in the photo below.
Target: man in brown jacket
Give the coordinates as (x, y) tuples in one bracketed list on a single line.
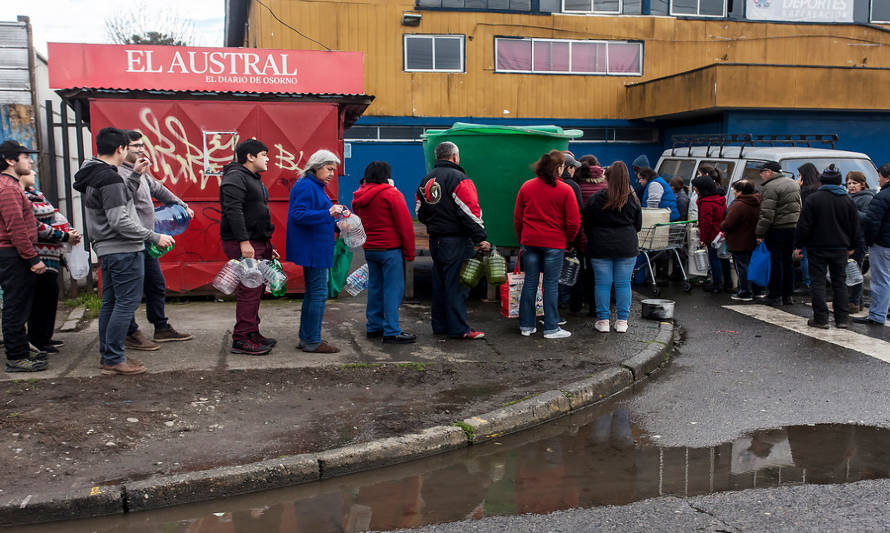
[(738, 226), (19, 263), (779, 210)]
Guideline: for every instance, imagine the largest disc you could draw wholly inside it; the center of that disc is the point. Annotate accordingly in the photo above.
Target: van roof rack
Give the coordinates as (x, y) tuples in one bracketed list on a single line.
[(722, 140)]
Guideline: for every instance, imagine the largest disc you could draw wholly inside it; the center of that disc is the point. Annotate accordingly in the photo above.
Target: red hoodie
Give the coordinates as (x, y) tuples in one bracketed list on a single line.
[(711, 211), (385, 217), (546, 216)]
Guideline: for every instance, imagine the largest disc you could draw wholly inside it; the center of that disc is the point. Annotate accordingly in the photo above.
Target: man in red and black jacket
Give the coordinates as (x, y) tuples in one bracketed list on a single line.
[(448, 205), (19, 262)]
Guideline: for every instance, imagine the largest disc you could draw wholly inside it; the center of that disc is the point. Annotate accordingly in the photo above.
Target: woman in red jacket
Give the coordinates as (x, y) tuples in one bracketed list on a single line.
[(546, 218), (711, 211), (390, 239)]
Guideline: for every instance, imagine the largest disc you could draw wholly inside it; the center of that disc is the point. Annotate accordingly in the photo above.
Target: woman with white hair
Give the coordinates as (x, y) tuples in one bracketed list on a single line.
[(311, 220)]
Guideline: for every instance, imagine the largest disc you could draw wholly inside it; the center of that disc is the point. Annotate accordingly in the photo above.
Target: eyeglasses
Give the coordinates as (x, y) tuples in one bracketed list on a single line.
[(136, 145)]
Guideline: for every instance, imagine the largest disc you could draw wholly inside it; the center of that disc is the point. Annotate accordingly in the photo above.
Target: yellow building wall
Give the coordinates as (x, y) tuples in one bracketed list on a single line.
[(671, 46)]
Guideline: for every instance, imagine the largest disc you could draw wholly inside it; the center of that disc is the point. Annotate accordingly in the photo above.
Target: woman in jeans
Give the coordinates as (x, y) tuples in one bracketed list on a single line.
[(858, 189), (738, 226), (310, 243), (390, 239), (711, 211), (612, 219), (546, 218)]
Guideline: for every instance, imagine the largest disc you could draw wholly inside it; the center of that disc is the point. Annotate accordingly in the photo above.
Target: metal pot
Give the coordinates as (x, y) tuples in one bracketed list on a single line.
[(658, 309)]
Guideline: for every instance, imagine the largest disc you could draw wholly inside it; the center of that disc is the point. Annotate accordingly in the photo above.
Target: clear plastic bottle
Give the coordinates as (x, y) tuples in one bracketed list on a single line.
[(228, 278), (357, 281), (854, 273), (351, 229), (171, 219), (251, 277), (568, 276), (157, 251), (274, 277)]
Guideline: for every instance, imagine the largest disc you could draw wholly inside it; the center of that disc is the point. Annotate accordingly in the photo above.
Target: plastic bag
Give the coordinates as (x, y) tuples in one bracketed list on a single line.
[(339, 268), (759, 267), (78, 260)]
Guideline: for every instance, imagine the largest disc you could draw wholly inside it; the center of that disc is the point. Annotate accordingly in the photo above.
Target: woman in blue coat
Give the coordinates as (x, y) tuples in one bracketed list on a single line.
[(310, 243)]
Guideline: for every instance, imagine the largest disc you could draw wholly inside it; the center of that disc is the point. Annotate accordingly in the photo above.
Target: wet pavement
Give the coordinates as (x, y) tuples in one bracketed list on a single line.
[(596, 457)]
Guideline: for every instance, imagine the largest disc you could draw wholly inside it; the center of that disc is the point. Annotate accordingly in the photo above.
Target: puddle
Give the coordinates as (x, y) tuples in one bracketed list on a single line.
[(590, 459)]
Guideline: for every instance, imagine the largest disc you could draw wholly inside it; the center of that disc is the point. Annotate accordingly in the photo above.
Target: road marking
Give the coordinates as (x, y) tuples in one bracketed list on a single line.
[(841, 337)]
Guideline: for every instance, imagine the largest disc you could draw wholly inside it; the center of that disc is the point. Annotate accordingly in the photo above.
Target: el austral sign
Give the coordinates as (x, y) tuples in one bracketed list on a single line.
[(800, 10), (180, 68)]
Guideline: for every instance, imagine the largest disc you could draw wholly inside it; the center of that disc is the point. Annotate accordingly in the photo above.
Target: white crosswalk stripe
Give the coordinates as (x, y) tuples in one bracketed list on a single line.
[(844, 338)]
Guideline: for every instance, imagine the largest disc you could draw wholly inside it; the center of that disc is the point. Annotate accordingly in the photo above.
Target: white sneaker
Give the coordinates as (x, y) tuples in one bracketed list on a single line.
[(621, 326), (558, 334), (528, 332), (602, 326)]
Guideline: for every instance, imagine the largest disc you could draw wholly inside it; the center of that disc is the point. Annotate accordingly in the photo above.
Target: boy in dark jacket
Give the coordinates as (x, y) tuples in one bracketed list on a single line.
[(829, 229), (246, 229)]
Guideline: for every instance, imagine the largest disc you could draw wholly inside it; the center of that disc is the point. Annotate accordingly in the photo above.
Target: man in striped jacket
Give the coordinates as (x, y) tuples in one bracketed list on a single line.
[(448, 205)]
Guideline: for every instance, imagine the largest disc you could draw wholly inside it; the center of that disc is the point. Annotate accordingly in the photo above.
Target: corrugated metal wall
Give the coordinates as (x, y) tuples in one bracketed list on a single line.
[(17, 114)]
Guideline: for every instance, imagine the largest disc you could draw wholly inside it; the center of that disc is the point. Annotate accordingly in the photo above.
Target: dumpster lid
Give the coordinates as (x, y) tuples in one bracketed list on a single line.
[(466, 128)]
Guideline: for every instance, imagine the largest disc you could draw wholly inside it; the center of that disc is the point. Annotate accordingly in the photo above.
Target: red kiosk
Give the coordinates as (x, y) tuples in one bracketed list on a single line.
[(195, 104)]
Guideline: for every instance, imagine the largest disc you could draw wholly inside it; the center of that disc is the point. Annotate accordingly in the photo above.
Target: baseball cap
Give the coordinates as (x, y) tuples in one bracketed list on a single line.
[(571, 161), (771, 165), (10, 149)]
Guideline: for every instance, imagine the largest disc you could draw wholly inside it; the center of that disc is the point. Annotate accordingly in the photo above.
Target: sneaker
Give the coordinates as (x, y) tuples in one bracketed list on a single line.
[(133, 360), (125, 368), (760, 296), (558, 334), (741, 298), (249, 347), (472, 335), (36, 353), (169, 334), (137, 341), (813, 324), (376, 334), (25, 365), (50, 349), (57, 344), (621, 326), (323, 348), (602, 326), (259, 339), (528, 332), (867, 321), (560, 322), (402, 338)]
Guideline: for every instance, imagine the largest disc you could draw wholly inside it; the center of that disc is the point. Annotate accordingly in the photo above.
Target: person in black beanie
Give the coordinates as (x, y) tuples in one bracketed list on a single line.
[(829, 229)]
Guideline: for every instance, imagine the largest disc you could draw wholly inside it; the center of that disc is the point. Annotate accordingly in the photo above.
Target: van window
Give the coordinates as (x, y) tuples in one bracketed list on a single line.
[(725, 168), (752, 174), (845, 165), (671, 168)]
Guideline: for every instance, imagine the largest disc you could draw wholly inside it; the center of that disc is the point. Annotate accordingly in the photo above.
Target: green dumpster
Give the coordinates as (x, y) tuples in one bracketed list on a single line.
[(499, 159)]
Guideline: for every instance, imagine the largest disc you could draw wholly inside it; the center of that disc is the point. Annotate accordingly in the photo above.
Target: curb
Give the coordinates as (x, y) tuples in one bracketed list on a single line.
[(178, 489)]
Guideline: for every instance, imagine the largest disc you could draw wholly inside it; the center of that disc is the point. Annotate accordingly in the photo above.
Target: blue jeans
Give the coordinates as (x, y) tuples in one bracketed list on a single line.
[(879, 259), (386, 286), (122, 280), (154, 288), (742, 260), (534, 261), (716, 267), (609, 270), (449, 308), (312, 312)]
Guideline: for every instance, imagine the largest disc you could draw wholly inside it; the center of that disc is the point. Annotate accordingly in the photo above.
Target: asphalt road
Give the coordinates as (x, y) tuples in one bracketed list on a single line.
[(734, 374)]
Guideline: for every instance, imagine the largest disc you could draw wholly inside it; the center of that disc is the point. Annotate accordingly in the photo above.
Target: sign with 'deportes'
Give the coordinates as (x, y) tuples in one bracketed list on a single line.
[(800, 10), (181, 68)]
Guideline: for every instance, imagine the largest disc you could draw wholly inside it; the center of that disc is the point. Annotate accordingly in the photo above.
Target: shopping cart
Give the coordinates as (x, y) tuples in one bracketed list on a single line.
[(659, 239)]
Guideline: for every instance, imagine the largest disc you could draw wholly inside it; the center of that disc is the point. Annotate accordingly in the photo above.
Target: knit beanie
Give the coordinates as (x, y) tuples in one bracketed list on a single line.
[(831, 176), (596, 172)]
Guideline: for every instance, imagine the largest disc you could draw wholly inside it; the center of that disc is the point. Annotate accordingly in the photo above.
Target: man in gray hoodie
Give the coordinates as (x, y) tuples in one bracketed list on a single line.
[(154, 287), (119, 240)]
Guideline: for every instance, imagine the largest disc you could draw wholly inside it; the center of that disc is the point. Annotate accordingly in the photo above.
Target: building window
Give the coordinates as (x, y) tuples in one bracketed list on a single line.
[(616, 135), (562, 56), (699, 8), (434, 53), (591, 6), (387, 133), (880, 11), (500, 5)]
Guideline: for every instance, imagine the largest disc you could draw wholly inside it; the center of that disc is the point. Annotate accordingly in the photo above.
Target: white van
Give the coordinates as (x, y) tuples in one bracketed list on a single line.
[(740, 157)]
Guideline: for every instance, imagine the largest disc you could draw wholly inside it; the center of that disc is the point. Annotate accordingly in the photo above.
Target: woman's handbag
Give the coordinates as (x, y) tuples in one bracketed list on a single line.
[(759, 267)]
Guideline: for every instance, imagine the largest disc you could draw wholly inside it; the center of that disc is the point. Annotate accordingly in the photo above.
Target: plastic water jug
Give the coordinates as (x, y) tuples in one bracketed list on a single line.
[(471, 271), (351, 229), (568, 276), (171, 219), (358, 280), (274, 277), (495, 267), (700, 257), (157, 251), (854, 274), (229, 276), (251, 277)]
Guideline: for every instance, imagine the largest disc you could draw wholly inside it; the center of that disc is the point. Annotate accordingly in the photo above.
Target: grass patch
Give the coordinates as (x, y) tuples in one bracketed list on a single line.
[(90, 300), (514, 402), (359, 365), (420, 367), (566, 394), (468, 429)]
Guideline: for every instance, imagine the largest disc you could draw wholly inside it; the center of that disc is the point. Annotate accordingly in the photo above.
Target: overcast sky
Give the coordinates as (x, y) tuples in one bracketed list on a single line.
[(83, 21)]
